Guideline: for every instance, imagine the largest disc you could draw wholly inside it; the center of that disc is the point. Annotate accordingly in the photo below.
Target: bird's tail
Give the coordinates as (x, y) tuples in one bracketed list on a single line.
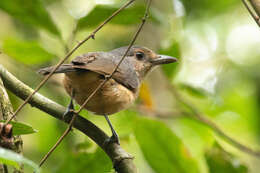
[(64, 68)]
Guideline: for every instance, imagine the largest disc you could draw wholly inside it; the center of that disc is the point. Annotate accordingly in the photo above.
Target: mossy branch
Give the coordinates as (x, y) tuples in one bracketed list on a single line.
[(122, 161)]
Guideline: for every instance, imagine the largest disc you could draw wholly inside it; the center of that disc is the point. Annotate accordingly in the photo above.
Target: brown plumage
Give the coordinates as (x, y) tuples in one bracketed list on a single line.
[(87, 71)]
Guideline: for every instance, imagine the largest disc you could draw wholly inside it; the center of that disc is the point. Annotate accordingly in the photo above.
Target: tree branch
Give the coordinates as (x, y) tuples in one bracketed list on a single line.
[(92, 35), (6, 110), (148, 5), (122, 161), (253, 12), (256, 5)]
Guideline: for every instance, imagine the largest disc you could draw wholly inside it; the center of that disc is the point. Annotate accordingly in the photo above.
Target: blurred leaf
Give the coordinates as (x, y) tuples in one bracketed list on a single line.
[(204, 8), (11, 158), (163, 150), (21, 128), (27, 32), (128, 16), (51, 1), (96, 162), (196, 136), (83, 146), (27, 52), (193, 91), (219, 161), (172, 50), (31, 12)]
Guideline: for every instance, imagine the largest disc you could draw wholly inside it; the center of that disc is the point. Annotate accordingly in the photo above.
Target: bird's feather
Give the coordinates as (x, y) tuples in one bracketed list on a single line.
[(103, 63)]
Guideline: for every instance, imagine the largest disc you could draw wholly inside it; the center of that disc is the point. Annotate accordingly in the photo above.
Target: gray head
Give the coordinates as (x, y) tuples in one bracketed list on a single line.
[(142, 59)]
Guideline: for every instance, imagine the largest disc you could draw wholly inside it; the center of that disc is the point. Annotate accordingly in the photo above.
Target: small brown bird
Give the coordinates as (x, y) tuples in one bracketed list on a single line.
[(86, 72)]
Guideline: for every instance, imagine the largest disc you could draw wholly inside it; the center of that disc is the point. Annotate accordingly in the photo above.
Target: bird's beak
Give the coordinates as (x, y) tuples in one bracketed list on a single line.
[(163, 59)]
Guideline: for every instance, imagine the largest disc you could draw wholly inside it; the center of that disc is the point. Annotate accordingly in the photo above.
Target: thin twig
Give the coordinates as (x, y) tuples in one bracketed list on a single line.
[(117, 155), (197, 115), (123, 57), (256, 5), (99, 86), (92, 35), (253, 14), (58, 142)]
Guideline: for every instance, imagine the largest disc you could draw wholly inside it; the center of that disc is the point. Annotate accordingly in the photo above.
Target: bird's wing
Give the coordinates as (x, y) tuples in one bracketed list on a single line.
[(104, 64)]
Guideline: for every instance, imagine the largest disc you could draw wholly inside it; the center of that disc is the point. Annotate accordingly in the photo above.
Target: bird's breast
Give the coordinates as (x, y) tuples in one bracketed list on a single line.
[(111, 98)]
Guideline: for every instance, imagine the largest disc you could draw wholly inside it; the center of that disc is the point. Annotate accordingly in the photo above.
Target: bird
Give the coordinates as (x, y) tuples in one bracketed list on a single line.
[(85, 73)]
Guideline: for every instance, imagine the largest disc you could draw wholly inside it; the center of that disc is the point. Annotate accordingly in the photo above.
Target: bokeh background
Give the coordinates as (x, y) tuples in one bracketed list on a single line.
[(217, 44)]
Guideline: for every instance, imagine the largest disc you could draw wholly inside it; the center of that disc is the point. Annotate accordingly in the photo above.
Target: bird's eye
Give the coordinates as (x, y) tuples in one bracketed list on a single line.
[(139, 55)]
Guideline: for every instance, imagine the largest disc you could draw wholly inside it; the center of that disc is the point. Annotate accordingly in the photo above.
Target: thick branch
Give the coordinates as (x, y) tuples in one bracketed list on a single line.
[(121, 159)]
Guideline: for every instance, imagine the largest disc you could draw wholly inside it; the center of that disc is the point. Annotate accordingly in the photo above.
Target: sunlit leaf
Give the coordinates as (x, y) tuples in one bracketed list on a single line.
[(128, 16), (219, 161), (31, 12), (196, 136), (27, 52), (162, 149), (96, 162), (11, 158), (21, 128)]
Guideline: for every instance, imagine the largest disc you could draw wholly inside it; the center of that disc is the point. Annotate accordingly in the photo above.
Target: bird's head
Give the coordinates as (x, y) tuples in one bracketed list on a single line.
[(144, 59)]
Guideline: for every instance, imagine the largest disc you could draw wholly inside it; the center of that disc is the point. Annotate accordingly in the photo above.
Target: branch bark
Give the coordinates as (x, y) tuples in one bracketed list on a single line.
[(122, 161), (256, 5), (47, 77), (6, 111), (255, 11)]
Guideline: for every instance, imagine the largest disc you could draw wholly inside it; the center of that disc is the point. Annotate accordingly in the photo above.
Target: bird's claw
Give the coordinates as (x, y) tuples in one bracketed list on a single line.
[(113, 139)]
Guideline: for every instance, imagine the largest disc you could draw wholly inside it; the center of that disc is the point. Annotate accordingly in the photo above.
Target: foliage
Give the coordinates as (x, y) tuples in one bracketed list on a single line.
[(216, 43), (11, 158)]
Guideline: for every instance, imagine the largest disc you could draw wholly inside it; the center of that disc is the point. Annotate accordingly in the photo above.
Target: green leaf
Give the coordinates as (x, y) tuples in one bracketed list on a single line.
[(174, 51), (128, 16), (27, 52), (11, 158), (96, 162), (219, 161), (21, 128), (31, 12), (196, 136), (163, 150)]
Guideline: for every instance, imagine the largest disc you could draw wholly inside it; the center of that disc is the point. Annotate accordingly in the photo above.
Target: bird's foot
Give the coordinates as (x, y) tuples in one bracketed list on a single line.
[(69, 110), (113, 139), (67, 114)]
